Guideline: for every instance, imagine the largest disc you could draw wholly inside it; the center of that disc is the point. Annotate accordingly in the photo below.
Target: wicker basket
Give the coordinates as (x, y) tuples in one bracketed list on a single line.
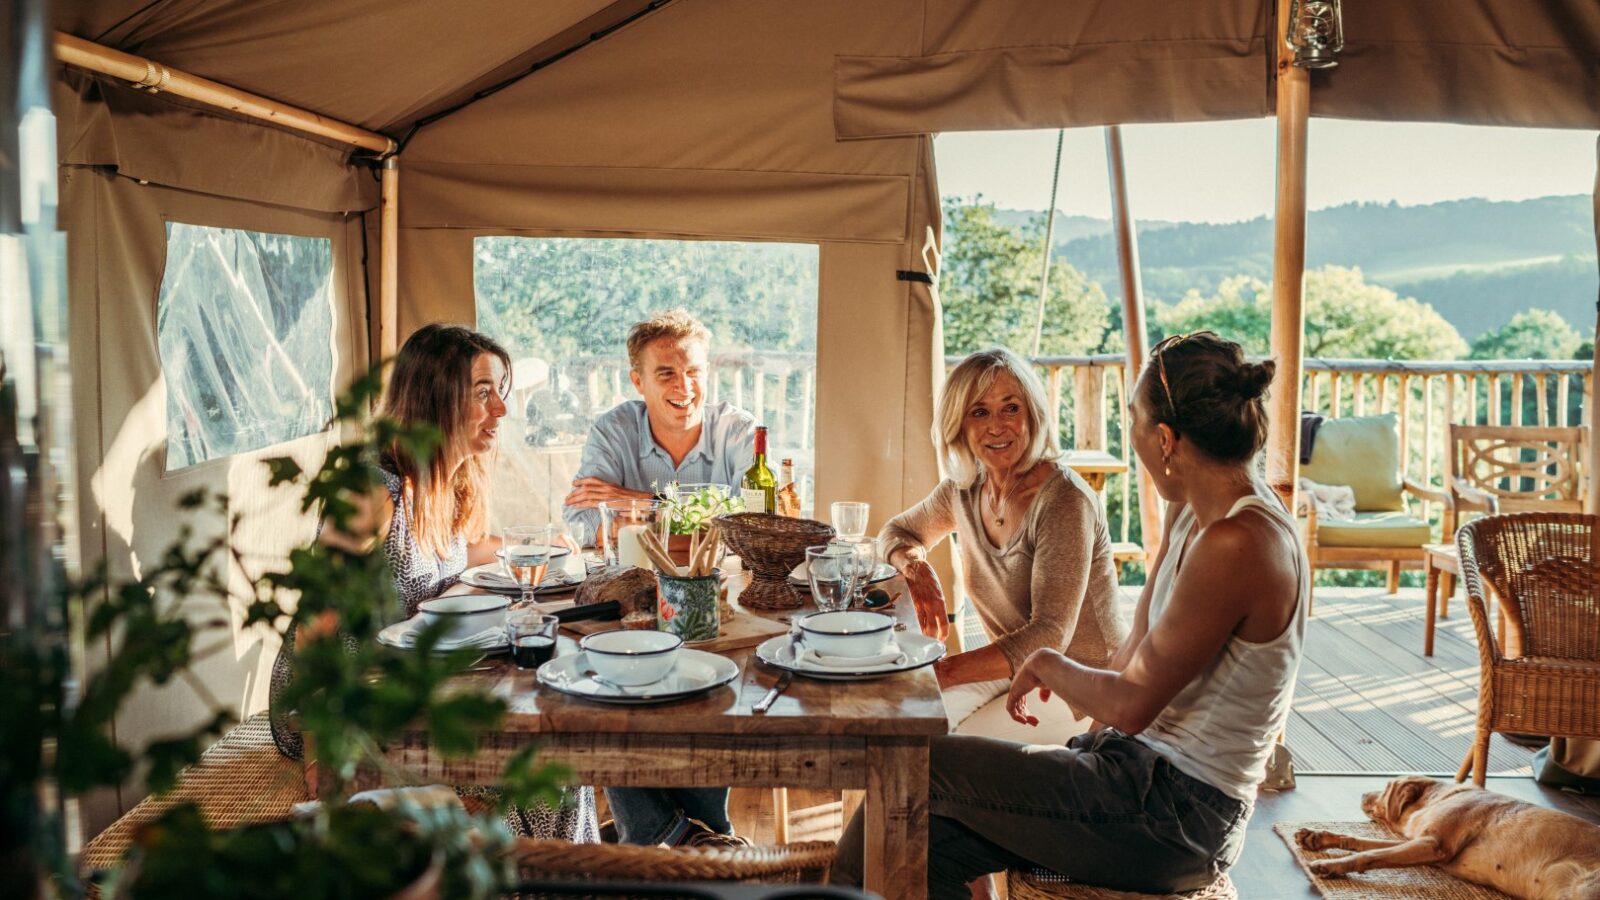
[(771, 546)]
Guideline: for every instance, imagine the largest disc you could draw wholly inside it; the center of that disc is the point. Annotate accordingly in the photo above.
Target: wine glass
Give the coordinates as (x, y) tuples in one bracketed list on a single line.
[(825, 569), (860, 564), (850, 519), (526, 551)]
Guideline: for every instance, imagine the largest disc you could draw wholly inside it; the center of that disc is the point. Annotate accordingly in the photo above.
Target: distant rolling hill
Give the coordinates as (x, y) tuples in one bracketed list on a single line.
[(1478, 262)]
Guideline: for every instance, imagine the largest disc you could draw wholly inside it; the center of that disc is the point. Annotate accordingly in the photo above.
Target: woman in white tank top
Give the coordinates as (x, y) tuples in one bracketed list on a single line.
[(1157, 800)]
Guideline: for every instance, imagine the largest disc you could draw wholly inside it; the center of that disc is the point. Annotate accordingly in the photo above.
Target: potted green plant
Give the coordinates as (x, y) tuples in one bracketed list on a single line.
[(690, 507), (350, 694)]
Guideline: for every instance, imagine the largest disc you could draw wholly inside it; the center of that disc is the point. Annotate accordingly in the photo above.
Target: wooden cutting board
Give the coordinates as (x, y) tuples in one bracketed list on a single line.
[(742, 630)]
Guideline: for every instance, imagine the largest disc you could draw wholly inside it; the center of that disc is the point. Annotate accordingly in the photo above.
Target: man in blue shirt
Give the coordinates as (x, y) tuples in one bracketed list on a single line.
[(634, 450), (640, 446)]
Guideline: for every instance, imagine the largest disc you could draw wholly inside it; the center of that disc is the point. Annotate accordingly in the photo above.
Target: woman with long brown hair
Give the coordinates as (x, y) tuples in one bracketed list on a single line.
[(433, 518)]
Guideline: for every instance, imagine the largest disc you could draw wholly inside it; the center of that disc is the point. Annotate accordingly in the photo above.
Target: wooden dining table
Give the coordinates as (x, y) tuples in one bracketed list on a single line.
[(832, 735)]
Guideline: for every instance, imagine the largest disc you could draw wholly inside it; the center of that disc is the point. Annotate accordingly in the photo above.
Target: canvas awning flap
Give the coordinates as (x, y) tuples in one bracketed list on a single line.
[(175, 144), (1480, 62), (1044, 64)]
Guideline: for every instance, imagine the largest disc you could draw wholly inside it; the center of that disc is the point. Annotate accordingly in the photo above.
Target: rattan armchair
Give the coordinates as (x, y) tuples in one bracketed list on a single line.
[(1545, 677)]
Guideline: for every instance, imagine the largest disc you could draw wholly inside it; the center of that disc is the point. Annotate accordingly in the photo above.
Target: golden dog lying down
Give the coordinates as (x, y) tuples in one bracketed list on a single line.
[(1476, 835)]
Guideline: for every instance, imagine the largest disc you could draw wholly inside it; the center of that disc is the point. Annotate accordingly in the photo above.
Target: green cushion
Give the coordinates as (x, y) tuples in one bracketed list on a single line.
[(1364, 453), (1374, 529)]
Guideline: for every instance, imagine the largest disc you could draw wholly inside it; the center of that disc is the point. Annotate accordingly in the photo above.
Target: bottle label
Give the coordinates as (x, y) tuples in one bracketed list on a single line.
[(755, 500)]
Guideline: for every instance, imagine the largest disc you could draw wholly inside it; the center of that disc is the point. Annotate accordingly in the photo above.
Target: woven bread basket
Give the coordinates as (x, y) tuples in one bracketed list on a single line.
[(771, 546)]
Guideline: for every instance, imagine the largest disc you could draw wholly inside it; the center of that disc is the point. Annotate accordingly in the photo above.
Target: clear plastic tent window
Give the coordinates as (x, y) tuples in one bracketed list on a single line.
[(563, 306), (245, 329)]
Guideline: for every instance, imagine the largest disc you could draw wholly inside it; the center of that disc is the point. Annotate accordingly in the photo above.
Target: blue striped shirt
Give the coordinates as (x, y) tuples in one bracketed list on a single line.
[(622, 451)]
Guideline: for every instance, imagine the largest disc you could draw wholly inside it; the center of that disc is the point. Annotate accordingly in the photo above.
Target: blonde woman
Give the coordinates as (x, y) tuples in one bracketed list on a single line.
[(433, 517), (1035, 550)]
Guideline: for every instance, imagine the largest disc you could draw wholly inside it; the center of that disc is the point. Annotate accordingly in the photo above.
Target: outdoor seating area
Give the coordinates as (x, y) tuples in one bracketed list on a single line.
[(613, 448)]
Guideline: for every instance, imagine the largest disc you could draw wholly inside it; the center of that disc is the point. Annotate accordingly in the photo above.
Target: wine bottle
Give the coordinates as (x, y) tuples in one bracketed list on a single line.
[(759, 487), (788, 495)]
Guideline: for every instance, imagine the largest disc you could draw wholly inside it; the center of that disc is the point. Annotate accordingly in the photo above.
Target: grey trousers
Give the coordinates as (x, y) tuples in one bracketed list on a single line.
[(1105, 809)]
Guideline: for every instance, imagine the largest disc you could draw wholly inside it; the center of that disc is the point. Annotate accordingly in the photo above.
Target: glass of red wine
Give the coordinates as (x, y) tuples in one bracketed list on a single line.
[(532, 637)]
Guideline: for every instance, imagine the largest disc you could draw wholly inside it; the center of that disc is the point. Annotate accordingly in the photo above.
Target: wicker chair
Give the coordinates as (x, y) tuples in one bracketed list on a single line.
[(1545, 678), (1043, 884), (560, 861), (240, 779)]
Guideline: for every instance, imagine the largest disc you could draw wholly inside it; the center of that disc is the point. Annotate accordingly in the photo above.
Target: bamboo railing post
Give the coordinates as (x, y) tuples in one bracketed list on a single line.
[(1055, 397), (1516, 399), (1089, 410), (1403, 408), (1358, 393), (389, 259), (1563, 399), (1541, 390), (807, 380), (1313, 397), (1334, 400), (1427, 429), (1471, 383), (1494, 399), (1134, 328)]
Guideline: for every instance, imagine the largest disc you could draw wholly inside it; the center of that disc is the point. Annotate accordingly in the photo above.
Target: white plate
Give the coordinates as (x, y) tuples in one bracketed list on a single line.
[(884, 572), (696, 672), (556, 580), (920, 651), (394, 636)]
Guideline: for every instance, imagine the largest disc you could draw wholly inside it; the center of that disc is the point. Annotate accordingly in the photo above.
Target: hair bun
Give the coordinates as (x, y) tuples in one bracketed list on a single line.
[(1251, 380)]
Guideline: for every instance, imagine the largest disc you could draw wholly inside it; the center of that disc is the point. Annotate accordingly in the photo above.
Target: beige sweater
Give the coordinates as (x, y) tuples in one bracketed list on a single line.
[(1054, 584)]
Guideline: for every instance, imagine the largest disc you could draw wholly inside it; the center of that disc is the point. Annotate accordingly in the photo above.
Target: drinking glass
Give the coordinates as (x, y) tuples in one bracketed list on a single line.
[(623, 522), (830, 586), (861, 563), (526, 551), (850, 519), (532, 637)]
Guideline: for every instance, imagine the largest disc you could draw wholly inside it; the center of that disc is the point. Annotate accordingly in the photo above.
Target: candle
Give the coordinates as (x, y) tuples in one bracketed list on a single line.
[(630, 546)]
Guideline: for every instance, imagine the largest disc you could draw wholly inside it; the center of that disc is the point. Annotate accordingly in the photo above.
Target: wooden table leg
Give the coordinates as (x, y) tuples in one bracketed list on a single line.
[(896, 863)]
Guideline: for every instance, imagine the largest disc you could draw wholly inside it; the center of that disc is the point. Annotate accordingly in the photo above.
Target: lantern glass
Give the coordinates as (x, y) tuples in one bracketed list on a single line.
[(1315, 32)]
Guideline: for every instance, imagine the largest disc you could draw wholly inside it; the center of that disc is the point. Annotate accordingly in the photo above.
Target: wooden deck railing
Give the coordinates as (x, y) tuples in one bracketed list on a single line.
[(1088, 395)]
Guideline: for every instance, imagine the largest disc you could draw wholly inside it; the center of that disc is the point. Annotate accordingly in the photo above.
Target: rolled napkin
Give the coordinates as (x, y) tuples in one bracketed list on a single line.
[(889, 659)]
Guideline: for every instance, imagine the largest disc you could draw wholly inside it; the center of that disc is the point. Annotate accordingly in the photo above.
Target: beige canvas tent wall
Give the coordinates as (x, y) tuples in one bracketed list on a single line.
[(729, 119)]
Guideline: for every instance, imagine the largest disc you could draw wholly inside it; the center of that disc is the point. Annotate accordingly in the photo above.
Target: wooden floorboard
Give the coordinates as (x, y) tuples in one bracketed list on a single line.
[(1367, 700)]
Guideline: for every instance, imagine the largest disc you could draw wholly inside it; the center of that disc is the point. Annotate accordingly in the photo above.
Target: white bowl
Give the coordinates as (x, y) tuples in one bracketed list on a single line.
[(465, 615), (629, 658), (848, 633)]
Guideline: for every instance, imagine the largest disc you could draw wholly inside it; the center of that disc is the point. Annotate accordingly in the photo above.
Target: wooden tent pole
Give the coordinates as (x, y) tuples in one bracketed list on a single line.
[(1288, 268), (75, 51), (1591, 503), (1135, 331), (389, 261)]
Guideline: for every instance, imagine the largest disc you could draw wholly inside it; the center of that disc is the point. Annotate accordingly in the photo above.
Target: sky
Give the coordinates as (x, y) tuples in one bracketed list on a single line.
[(1224, 171)]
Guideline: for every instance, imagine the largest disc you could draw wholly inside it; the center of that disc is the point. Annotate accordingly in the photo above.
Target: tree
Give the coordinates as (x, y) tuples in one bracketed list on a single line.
[(1534, 334), (989, 287), (1345, 318)]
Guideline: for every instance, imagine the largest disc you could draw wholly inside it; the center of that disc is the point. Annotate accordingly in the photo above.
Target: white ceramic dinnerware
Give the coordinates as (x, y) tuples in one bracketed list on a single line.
[(910, 651), (629, 658), (850, 634), (695, 673), (403, 636), (464, 615)]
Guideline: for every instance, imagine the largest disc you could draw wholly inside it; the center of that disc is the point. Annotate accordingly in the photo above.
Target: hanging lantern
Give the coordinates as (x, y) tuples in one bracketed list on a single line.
[(1315, 33)]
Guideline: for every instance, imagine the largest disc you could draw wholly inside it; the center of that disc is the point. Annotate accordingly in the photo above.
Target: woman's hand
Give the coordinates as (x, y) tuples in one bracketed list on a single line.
[(1025, 682), (927, 597)]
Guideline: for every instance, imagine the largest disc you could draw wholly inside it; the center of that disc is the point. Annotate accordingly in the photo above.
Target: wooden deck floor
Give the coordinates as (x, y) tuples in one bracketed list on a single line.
[(1367, 700)]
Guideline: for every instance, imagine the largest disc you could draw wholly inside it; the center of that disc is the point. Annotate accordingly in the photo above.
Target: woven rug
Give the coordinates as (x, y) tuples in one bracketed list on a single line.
[(1420, 882)]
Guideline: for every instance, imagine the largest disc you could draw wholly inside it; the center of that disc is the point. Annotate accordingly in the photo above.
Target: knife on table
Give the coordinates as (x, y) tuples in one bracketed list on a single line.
[(609, 609), (765, 703)]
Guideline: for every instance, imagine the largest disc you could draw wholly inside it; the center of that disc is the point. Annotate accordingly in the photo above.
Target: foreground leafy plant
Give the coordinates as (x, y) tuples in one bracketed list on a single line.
[(351, 696)]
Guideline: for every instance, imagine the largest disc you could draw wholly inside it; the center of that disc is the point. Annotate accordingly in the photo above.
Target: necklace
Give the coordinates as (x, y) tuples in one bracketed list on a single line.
[(999, 506)]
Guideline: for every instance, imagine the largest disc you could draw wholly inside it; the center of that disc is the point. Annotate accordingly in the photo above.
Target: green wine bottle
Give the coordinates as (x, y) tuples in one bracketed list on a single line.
[(759, 487)]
